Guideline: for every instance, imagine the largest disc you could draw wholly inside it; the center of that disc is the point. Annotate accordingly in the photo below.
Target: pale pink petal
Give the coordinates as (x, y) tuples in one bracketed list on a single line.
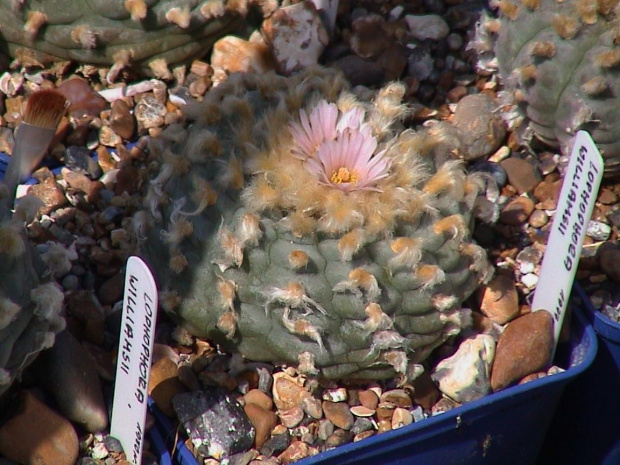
[(355, 143), (303, 146), (317, 169), (320, 117), (350, 119), (368, 146), (329, 117), (378, 167)]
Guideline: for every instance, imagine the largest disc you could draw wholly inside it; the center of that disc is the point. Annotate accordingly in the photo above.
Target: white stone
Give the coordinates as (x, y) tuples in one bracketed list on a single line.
[(427, 27), (296, 36), (526, 267), (529, 280), (466, 375), (235, 55), (598, 230), (396, 12)]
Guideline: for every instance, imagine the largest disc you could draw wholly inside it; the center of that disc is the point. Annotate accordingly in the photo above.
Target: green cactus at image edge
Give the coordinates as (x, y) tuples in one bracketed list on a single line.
[(148, 35), (560, 67)]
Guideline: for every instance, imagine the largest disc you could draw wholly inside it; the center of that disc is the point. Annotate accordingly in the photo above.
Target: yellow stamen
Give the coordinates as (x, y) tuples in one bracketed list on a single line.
[(343, 174)]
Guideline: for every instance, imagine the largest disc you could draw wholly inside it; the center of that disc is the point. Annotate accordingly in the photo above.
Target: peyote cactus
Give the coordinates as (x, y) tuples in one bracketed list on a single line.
[(30, 304), (290, 221), (559, 63), (149, 35)]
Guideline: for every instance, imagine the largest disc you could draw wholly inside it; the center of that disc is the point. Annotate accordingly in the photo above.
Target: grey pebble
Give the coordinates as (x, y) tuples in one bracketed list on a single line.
[(614, 218), (326, 429), (79, 159), (276, 444), (420, 63), (112, 444), (109, 215), (494, 169), (243, 458), (215, 422), (338, 438), (598, 230), (68, 372), (361, 424), (70, 282)]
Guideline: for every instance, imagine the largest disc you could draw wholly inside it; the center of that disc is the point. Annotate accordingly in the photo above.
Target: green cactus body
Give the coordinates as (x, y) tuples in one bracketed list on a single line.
[(560, 66), (252, 251), (29, 307), (147, 35)]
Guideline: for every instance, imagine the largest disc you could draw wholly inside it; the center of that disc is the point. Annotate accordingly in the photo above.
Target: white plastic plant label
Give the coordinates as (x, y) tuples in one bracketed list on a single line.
[(577, 197), (135, 353)]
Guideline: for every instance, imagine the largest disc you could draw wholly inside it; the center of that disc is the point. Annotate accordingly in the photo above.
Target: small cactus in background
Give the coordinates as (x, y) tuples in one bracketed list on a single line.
[(559, 63), (148, 35), (290, 221), (30, 303)]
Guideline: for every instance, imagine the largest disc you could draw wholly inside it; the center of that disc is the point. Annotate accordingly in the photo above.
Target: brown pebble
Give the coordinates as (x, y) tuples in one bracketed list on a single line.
[(499, 300), (533, 377), (517, 211), (538, 219), (482, 129), (122, 121), (312, 407), (361, 411), (445, 404), (385, 410), (384, 425), (82, 183), (456, 93), (522, 174), (258, 397), (359, 71), (337, 438), (164, 384), (398, 397), (339, 414), (291, 417), (524, 347), (34, 434), (363, 435), (83, 98), (288, 392), (368, 399), (425, 391), (296, 451), (50, 193), (607, 197), (264, 421), (402, 417), (609, 261), (548, 192), (236, 55)]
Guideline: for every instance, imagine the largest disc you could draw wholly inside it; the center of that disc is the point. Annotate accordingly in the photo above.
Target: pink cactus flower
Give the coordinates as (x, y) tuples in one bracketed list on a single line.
[(339, 148)]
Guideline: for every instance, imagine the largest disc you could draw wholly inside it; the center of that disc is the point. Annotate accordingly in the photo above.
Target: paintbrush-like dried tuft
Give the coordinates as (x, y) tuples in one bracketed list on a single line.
[(609, 59), (587, 11), (509, 9), (531, 4), (595, 86), (543, 49), (136, 8), (566, 26), (45, 109)]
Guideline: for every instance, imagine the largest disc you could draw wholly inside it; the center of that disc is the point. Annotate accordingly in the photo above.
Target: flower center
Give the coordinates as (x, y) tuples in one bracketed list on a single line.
[(344, 175)]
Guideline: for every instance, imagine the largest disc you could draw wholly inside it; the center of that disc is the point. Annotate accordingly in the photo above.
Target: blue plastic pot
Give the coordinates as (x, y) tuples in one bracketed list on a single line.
[(507, 427), (586, 429), (165, 442)]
